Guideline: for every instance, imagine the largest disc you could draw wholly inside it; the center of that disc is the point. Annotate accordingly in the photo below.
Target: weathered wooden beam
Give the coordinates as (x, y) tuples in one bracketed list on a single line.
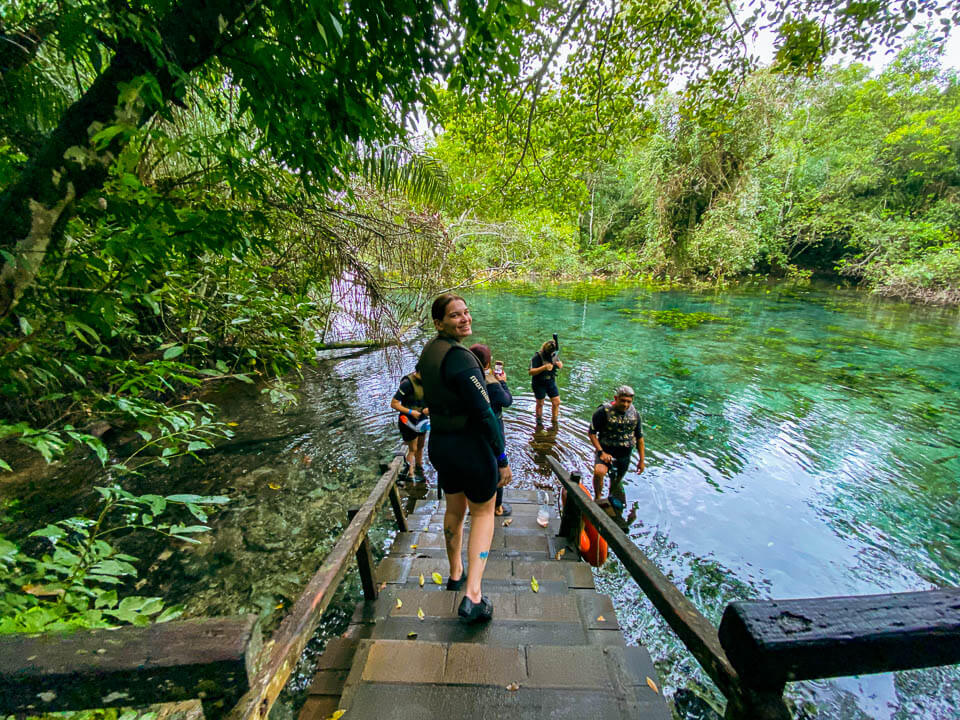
[(571, 520), (776, 641), (365, 563), (397, 505), (210, 658), (287, 643)]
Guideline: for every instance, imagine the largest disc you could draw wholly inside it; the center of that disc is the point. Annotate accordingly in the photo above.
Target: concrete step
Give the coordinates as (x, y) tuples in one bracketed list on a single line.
[(399, 679), (567, 617), (505, 569)]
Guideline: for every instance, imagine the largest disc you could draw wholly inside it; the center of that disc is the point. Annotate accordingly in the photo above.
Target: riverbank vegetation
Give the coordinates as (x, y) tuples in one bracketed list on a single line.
[(843, 171)]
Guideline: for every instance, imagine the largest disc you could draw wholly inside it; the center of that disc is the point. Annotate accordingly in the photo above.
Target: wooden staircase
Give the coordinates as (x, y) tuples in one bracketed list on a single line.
[(554, 653)]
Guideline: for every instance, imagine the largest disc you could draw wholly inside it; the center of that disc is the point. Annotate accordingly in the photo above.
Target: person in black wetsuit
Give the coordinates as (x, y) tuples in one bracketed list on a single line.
[(408, 401), (614, 430), (543, 378), (466, 448), (500, 398)]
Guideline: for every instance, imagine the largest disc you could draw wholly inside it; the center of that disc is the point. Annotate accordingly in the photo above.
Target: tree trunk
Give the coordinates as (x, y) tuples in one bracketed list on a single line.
[(35, 209)]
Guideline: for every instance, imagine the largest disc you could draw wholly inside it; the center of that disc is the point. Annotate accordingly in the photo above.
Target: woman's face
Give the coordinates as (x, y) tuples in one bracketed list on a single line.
[(456, 320)]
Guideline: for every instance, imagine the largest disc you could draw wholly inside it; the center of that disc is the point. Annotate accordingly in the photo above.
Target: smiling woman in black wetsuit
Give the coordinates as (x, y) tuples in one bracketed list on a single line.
[(466, 447)]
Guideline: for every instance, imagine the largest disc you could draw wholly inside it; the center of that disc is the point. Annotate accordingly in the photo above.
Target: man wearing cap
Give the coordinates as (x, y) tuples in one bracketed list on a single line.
[(614, 429)]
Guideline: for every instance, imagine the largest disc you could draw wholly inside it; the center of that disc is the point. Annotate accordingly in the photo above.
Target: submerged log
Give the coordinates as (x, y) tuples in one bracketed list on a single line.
[(777, 641)]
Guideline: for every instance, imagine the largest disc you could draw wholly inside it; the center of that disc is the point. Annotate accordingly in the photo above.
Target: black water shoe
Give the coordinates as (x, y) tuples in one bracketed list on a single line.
[(471, 612), (457, 585)]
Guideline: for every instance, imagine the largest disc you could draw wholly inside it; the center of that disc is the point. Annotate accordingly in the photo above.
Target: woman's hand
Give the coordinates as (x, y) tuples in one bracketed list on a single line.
[(415, 414), (606, 458), (506, 476), (548, 367)]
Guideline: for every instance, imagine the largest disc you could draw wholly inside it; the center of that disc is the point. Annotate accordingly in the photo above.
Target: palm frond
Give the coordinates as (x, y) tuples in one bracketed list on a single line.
[(399, 170)]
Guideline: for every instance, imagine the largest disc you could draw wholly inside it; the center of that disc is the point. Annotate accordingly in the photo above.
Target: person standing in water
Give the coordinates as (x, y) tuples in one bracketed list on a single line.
[(466, 447), (408, 401), (500, 398), (614, 430), (543, 378)]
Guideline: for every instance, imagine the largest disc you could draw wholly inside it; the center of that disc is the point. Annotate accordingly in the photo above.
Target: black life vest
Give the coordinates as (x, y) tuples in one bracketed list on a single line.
[(417, 385), (446, 411), (546, 375), (620, 428)]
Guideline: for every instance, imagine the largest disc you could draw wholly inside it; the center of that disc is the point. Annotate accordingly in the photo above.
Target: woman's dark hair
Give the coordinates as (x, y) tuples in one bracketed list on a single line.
[(439, 307), (547, 349), (482, 352)]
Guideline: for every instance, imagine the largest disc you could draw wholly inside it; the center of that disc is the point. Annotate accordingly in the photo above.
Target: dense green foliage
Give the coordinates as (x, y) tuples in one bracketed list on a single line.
[(74, 584), (841, 171)]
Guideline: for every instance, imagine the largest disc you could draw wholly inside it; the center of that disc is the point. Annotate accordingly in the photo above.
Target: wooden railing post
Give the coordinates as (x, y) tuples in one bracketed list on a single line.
[(365, 562), (398, 509), (571, 519)]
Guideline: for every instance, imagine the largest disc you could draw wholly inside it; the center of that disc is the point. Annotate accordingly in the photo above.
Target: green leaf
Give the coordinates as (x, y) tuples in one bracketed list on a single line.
[(51, 532), (197, 445), (173, 352), (170, 613), (5, 466), (25, 326)]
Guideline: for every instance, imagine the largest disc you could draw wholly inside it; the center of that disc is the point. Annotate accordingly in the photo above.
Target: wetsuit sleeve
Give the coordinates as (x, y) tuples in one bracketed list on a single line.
[(536, 361), (499, 394), (598, 422), (404, 392), (463, 372)]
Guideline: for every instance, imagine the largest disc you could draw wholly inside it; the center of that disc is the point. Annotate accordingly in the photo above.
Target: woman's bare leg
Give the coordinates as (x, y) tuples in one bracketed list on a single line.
[(478, 546), (453, 515)]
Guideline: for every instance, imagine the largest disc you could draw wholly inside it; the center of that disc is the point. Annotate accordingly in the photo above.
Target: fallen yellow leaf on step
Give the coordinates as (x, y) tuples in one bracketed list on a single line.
[(420, 613), (437, 578), (506, 523), (601, 618), (653, 685), (534, 585), (559, 554), (513, 687), (399, 603), (232, 424), (412, 635), (413, 547), (421, 579), (337, 715), (273, 486)]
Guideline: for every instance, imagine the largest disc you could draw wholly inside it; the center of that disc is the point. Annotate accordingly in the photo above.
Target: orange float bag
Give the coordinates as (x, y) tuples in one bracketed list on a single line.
[(593, 548)]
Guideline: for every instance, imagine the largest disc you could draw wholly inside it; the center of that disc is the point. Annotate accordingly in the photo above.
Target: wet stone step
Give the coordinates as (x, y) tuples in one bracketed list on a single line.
[(404, 570), (613, 679)]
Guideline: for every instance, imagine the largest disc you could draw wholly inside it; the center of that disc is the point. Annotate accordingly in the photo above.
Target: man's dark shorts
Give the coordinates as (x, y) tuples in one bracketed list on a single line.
[(621, 465), (406, 433), (545, 389)]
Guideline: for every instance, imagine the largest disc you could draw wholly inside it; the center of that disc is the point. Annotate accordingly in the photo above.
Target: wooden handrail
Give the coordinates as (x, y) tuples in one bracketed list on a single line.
[(209, 658), (771, 642), (284, 648), (696, 632)]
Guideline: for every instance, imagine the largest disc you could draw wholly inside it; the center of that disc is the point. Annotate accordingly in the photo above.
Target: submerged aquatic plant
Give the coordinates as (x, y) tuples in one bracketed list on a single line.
[(679, 320)]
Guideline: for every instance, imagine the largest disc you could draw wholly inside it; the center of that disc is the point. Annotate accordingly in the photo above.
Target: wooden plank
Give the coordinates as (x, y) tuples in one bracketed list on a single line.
[(209, 658), (365, 562), (287, 643), (777, 641)]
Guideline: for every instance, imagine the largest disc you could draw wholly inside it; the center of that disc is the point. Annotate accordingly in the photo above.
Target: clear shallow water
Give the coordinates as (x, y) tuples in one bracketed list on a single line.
[(800, 443)]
